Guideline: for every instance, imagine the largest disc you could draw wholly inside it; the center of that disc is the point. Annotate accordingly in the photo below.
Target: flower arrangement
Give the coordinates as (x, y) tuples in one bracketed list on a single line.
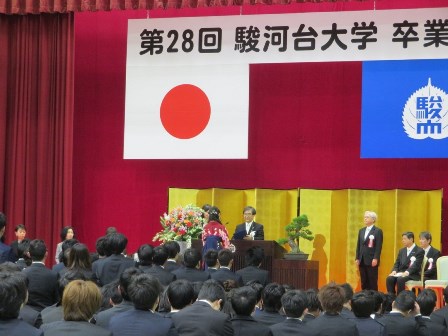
[(181, 224)]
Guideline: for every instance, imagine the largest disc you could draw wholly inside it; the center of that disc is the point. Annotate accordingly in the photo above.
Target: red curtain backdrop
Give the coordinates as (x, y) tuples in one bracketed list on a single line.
[(304, 132), (36, 123)]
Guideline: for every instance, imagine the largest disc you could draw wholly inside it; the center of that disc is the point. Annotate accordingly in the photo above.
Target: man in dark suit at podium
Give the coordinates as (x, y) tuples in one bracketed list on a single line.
[(249, 230), (368, 251)]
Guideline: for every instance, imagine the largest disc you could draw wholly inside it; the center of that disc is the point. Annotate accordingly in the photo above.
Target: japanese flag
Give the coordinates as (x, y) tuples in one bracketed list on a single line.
[(187, 112)]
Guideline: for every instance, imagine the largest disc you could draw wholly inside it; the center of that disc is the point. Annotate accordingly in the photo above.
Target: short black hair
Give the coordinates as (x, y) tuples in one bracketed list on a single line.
[(211, 257), (13, 293), (100, 246), (348, 289), (109, 293), (272, 295), (251, 209), (313, 300), (243, 300), (191, 257), (180, 293), (257, 287), (23, 247), (125, 279), (294, 303), (144, 291), (173, 248), (363, 304), (212, 290), (254, 256), (38, 249), (145, 254), (116, 243), (405, 301), (20, 227), (426, 235), (225, 256), (408, 234), (427, 301), (377, 297), (160, 255)]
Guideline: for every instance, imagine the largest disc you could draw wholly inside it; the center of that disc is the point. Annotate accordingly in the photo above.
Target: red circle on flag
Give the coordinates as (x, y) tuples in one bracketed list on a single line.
[(185, 111)]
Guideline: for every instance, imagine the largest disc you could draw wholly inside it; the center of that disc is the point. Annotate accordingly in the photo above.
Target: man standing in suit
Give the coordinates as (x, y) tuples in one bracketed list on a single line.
[(243, 303), (431, 253), (43, 283), (6, 252), (208, 305), (249, 230), (294, 304), (407, 266), (368, 251), (144, 291)]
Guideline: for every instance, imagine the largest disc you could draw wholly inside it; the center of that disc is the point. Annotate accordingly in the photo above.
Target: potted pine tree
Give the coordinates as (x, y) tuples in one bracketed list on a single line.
[(298, 228)]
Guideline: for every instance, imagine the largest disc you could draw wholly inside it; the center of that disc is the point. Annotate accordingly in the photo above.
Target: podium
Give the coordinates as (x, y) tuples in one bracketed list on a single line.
[(302, 274)]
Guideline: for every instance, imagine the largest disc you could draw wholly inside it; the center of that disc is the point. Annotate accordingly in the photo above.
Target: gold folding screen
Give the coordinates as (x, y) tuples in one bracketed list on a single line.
[(335, 216)]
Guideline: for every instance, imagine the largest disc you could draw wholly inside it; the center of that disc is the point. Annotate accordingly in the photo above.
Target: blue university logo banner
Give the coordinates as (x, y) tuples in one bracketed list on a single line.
[(405, 109)]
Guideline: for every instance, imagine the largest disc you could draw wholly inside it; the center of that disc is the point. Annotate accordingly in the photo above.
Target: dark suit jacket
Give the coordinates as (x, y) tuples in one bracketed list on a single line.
[(103, 318), (347, 313), (15, 246), (200, 319), (6, 253), (431, 274), (402, 262), (287, 327), (369, 326), (440, 316), (30, 316), (250, 273), (191, 274), (365, 253), (268, 318), (110, 268), (397, 324), (255, 227), (434, 329), (73, 328), (171, 266), (223, 274), (52, 314), (331, 325), (16, 327), (42, 286), (160, 273), (140, 323), (246, 325), (308, 318)]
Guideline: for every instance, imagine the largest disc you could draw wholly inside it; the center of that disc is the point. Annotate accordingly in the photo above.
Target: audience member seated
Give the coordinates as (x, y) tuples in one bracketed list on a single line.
[(20, 232), (258, 288), (363, 306), (254, 257), (271, 296), (80, 301), (78, 261), (427, 302), (192, 262), (103, 317), (399, 321), (54, 313), (440, 316), (43, 283), (63, 256), (314, 306), (13, 294), (243, 302), (211, 261), (173, 249), (144, 291), (159, 258), (211, 321), (431, 253), (347, 309), (164, 306), (23, 254), (330, 322), (110, 295), (180, 294), (27, 314), (378, 303), (145, 254), (224, 273), (294, 303), (110, 268), (6, 252)]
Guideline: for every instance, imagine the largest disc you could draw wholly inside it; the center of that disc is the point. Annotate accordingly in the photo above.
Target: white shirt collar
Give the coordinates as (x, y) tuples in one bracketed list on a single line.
[(411, 248), (427, 249)]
